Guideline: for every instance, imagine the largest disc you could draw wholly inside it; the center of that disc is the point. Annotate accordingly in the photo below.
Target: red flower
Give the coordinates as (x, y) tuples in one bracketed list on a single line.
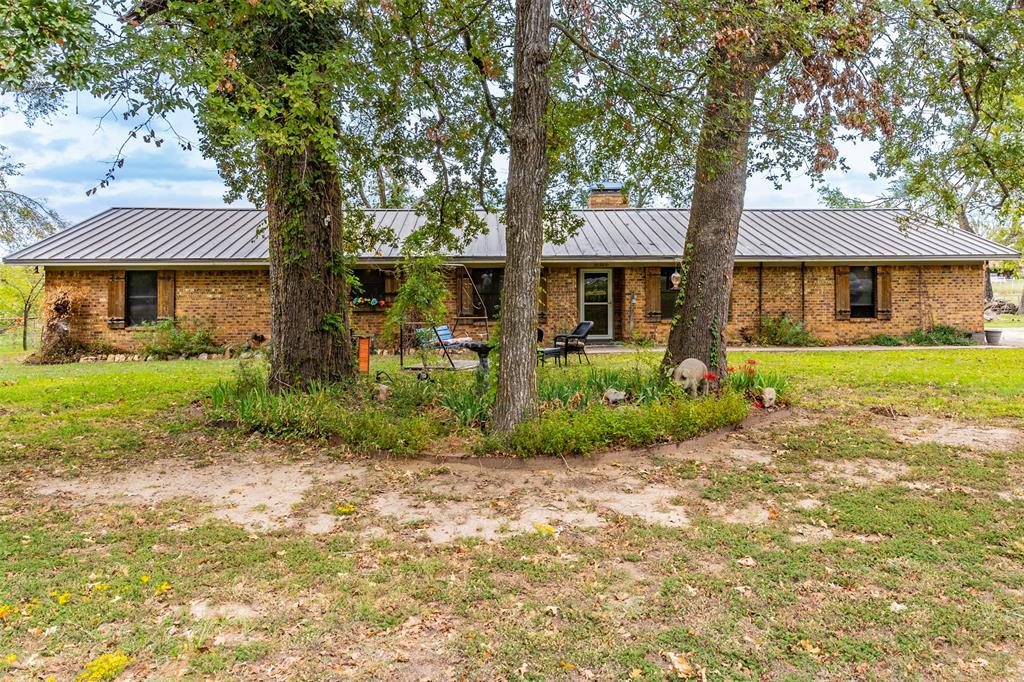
[(758, 404), (751, 361), (730, 370), (710, 376)]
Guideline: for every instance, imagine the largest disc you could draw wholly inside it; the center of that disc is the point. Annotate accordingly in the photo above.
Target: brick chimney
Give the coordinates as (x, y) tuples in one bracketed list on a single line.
[(608, 195)]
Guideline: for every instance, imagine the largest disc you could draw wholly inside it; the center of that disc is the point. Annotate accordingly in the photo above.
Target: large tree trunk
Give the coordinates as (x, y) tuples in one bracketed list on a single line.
[(308, 290), (524, 238), (701, 313)]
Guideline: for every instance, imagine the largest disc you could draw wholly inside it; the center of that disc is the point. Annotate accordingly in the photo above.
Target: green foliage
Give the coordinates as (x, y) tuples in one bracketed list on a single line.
[(465, 405), (342, 411), (20, 287), (576, 387), (784, 331), (173, 338), (580, 431), (939, 335), (419, 413), (422, 293), (880, 340), (750, 380)]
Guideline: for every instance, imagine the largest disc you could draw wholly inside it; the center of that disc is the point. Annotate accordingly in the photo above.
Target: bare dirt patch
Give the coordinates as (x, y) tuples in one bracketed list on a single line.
[(805, 533), (257, 495), (752, 514), (202, 609), (860, 471), (440, 500), (920, 430)]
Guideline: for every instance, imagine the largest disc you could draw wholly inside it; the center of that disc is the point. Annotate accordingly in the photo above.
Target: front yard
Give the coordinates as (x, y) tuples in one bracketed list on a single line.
[(872, 531)]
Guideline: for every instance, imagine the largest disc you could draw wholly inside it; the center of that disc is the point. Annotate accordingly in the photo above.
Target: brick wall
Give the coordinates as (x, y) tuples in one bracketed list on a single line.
[(238, 302)]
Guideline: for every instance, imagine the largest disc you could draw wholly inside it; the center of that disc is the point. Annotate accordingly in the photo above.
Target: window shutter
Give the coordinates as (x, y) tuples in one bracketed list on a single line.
[(165, 295), (115, 300), (542, 295), (842, 292), (652, 292), (883, 280), (390, 283)]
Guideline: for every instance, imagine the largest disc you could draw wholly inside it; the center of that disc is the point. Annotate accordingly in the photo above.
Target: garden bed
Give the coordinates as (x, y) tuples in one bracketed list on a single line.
[(450, 413)]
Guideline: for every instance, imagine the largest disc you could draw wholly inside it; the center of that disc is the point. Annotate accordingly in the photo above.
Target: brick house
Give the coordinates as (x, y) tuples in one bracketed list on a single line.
[(848, 274)]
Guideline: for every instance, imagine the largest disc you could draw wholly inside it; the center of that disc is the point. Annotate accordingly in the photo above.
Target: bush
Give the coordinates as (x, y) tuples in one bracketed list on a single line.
[(750, 381), (597, 427), (341, 411), (417, 414), (784, 331), (939, 335), (581, 386), (880, 340), (172, 338)]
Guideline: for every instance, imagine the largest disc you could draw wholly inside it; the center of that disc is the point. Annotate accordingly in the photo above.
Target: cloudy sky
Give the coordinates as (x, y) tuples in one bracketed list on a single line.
[(68, 154)]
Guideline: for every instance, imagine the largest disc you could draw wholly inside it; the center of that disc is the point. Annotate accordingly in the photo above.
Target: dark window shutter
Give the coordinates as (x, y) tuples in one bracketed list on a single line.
[(115, 300), (165, 295), (390, 284), (652, 292), (842, 292), (883, 280)]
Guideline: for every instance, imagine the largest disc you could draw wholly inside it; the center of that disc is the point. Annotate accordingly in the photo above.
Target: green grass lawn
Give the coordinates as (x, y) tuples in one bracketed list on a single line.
[(1006, 322), (876, 554)]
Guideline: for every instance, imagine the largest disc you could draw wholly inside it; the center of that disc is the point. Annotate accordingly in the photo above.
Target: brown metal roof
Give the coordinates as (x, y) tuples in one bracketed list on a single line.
[(231, 236)]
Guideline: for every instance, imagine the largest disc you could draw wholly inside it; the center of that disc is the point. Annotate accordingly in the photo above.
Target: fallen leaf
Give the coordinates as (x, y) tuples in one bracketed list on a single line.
[(681, 666), (809, 647)]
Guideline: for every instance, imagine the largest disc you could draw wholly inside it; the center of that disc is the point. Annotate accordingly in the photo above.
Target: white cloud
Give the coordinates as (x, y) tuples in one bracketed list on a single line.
[(69, 154)]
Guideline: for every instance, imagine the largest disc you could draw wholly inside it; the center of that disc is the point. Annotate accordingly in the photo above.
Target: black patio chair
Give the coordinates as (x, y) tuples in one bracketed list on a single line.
[(557, 352), (576, 342)]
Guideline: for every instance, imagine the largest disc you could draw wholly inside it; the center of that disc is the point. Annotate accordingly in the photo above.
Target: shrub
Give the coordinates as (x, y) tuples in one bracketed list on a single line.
[(61, 310), (339, 411), (784, 331), (582, 386), (578, 432), (468, 408), (574, 419), (940, 335), (880, 340), (749, 380), (170, 338)]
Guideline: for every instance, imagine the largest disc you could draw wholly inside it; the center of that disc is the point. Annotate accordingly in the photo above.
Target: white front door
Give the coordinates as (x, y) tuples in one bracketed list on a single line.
[(596, 301)]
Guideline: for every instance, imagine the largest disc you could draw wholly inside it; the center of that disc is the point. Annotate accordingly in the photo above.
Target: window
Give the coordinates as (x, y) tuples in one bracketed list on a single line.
[(373, 288), (862, 292), (140, 297), (371, 284), (488, 285), (668, 294)]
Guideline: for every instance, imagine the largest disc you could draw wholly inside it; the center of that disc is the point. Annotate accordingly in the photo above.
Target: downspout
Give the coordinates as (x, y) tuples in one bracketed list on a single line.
[(920, 296), (760, 296), (803, 293)]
